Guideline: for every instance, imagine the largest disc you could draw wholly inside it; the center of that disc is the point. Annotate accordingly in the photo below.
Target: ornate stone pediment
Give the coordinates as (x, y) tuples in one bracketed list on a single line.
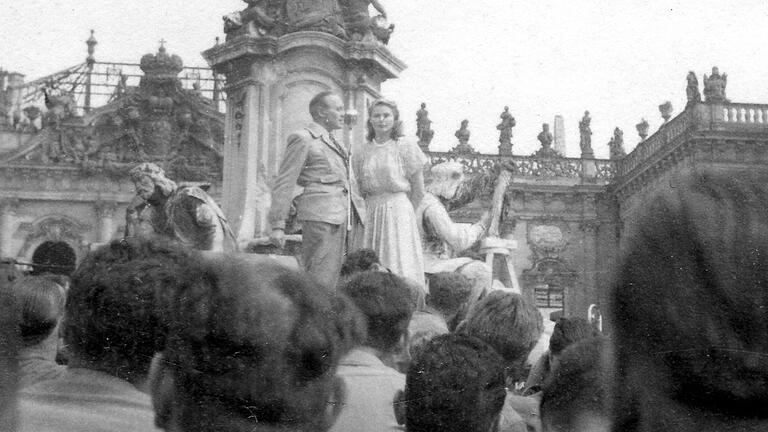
[(53, 228), (158, 121)]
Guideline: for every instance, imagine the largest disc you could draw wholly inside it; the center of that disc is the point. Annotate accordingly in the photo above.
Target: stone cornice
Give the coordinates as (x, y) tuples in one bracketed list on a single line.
[(246, 46)]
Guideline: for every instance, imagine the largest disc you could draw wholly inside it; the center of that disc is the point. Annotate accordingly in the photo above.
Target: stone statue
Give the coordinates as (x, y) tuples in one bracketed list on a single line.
[(642, 129), (714, 87), (463, 135), (255, 20), (545, 138), (616, 145), (59, 107), (186, 214), (316, 15), (585, 136), (424, 127), (505, 132), (443, 240), (692, 90), (360, 25)]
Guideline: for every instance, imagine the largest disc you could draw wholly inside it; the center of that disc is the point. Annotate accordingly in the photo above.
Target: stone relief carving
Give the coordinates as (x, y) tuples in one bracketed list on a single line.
[(346, 19), (53, 228), (159, 121)]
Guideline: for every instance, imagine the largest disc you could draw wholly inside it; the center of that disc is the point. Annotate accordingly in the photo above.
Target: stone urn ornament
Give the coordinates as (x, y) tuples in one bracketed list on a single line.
[(666, 110), (642, 129)]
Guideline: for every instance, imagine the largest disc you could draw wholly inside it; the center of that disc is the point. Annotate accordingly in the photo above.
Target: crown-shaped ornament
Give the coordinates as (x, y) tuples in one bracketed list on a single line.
[(161, 65)]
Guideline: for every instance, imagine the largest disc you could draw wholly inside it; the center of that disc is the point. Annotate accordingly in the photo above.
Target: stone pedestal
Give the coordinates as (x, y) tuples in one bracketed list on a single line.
[(269, 83)]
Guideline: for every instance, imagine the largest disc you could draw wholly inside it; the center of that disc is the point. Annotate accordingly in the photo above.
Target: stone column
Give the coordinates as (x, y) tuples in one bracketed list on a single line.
[(8, 207), (105, 212), (270, 82)]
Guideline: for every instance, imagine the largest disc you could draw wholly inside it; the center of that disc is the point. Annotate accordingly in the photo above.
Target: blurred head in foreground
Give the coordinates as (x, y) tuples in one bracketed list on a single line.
[(456, 384), (689, 306), (252, 346)]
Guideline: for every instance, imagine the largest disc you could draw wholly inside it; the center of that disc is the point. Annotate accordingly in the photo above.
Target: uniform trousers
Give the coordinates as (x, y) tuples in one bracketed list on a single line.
[(324, 248)]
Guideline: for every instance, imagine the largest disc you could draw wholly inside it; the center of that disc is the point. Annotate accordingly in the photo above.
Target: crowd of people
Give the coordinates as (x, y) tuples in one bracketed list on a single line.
[(151, 334)]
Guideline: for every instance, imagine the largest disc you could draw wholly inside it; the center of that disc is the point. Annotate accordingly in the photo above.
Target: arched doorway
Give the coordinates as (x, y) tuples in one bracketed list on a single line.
[(54, 257)]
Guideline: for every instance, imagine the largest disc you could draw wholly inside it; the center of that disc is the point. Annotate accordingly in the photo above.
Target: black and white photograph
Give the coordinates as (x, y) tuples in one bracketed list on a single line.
[(383, 215)]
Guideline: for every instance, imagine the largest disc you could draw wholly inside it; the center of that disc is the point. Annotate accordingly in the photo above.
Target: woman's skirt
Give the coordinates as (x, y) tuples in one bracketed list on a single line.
[(391, 231)]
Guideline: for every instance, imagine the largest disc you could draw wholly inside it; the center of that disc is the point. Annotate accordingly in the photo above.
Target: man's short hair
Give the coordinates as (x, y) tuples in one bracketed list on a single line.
[(456, 384), (689, 304), (449, 293), (387, 302), (253, 341), (577, 392), (41, 306), (568, 331), (359, 261), (110, 318), (319, 102), (507, 321)]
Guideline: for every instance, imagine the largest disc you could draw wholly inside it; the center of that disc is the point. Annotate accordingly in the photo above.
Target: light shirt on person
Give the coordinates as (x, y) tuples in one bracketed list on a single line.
[(85, 400), (370, 392), (37, 363)]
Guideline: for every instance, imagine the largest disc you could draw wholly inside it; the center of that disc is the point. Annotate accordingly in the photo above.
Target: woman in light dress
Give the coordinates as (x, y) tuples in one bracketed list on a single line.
[(389, 170)]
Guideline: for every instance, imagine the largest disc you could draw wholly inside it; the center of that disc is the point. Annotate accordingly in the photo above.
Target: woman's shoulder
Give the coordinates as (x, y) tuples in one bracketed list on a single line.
[(410, 151)]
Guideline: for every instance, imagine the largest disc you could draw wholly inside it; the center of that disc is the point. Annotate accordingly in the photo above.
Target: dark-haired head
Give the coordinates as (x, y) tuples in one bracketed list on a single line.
[(41, 306), (110, 322), (568, 331), (251, 346), (509, 323), (689, 306), (450, 294), (318, 103), (456, 384), (359, 261), (387, 303), (576, 395)]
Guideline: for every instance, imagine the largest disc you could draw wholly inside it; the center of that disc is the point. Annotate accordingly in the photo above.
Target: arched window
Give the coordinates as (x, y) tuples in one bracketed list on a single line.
[(54, 257)]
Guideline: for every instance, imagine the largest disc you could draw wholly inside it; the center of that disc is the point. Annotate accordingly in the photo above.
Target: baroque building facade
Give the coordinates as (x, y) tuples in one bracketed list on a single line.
[(64, 155)]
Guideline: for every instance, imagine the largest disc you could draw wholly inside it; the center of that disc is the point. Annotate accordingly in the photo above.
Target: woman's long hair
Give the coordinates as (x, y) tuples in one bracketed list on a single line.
[(397, 126)]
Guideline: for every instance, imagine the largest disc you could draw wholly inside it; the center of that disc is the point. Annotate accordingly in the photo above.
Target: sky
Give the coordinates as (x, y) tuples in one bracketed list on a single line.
[(619, 59)]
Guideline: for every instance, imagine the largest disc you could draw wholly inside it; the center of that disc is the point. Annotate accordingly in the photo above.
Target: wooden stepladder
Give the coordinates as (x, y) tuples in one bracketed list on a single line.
[(497, 250)]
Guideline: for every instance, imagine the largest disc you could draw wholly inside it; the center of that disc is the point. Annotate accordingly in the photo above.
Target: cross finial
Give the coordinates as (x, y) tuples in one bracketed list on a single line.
[(162, 43)]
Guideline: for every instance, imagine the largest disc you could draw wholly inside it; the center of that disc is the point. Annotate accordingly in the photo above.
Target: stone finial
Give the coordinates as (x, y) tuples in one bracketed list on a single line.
[(616, 145), (91, 42), (505, 132), (692, 90), (642, 129), (424, 127), (714, 87), (463, 135), (585, 137), (666, 110)]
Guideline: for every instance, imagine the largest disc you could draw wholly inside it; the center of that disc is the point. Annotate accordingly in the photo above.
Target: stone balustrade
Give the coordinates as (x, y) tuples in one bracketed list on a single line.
[(733, 114), (701, 118), (660, 139), (531, 166)]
